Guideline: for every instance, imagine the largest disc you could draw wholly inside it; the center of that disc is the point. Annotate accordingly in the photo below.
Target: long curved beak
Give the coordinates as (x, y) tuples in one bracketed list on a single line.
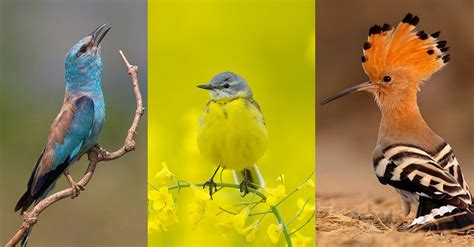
[(364, 86), (98, 35)]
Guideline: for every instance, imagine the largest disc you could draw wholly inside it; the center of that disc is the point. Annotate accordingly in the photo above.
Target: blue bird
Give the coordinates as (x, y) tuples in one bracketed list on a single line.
[(77, 127)]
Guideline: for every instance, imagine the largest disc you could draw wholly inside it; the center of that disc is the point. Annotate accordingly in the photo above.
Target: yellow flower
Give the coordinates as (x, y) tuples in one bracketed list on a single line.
[(225, 222), (308, 209), (301, 241), (197, 208), (308, 184), (274, 194), (239, 220), (165, 175), (160, 220), (153, 224), (163, 209), (196, 214), (161, 199), (167, 217), (251, 230), (274, 232), (200, 195), (281, 179)]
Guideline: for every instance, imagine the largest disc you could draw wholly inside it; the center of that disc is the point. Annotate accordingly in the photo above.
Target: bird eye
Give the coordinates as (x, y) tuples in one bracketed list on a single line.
[(387, 78), (83, 49), (226, 85)]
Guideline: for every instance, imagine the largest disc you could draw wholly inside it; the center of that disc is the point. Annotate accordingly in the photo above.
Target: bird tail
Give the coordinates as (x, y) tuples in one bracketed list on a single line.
[(432, 216), (24, 239), (25, 202), (253, 174)]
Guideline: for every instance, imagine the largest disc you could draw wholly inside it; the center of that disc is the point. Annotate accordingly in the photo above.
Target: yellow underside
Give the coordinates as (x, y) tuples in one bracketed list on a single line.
[(232, 133)]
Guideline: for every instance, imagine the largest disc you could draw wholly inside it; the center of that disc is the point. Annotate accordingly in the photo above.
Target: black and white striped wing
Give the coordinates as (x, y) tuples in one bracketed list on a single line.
[(412, 169), (446, 158)]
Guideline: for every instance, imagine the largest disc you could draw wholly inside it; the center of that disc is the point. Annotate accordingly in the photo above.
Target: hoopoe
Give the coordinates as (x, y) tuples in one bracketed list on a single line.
[(409, 156)]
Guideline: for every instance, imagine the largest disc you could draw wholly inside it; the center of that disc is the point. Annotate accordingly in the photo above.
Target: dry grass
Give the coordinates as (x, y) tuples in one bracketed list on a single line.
[(344, 220)]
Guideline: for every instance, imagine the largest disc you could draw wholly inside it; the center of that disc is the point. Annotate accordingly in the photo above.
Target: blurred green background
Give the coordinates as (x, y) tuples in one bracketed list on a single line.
[(271, 44), (35, 37), (346, 129)]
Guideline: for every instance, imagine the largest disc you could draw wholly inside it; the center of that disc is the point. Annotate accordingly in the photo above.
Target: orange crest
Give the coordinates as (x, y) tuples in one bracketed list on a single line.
[(389, 49)]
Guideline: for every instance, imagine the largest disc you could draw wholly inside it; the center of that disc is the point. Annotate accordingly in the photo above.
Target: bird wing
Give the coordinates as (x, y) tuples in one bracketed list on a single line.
[(257, 106), (410, 168), (66, 137), (446, 158)]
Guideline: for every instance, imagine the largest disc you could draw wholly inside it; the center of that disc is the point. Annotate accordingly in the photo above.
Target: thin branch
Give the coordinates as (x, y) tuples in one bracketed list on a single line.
[(95, 155)]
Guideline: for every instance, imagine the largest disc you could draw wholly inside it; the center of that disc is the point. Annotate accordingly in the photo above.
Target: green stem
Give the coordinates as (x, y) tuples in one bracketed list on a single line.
[(307, 221), (280, 220), (224, 185), (251, 214), (152, 186), (299, 212), (273, 209), (227, 211), (296, 189)]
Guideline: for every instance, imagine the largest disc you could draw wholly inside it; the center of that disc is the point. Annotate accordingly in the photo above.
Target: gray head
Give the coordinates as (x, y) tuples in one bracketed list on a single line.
[(227, 85)]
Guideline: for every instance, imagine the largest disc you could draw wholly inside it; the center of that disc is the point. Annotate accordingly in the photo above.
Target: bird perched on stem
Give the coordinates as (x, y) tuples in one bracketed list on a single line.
[(409, 156), (77, 127), (232, 132)]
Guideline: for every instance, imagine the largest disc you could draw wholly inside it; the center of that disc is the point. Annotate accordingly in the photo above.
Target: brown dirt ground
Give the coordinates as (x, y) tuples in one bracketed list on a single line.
[(371, 221)]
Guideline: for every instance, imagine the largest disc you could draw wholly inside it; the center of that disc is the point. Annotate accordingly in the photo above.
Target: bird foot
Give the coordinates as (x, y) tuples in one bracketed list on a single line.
[(212, 185), (402, 226), (244, 187), (76, 190)]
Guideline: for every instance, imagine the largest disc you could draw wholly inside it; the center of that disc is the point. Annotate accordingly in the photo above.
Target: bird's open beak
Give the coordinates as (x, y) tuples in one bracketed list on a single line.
[(98, 34), (206, 86), (364, 86)]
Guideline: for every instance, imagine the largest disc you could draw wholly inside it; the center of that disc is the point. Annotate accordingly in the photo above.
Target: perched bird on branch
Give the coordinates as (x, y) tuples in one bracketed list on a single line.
[(409, 156), (77, 127), (232, 132)]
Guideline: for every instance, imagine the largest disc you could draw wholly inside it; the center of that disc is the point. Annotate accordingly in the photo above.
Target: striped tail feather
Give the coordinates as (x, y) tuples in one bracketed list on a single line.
[(252, 173), (433, 216)]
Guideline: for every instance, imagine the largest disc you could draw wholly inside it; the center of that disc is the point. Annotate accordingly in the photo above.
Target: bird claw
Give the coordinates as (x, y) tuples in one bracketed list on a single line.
[(211, 185), (76, 190), (244, 187), (402, 226)]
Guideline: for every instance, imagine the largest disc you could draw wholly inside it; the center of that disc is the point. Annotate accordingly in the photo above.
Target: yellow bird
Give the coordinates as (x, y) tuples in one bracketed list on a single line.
[(232, 132)]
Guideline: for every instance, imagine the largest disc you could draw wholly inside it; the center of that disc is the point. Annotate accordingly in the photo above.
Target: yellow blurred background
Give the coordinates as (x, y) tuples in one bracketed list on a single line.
[(272, 45)]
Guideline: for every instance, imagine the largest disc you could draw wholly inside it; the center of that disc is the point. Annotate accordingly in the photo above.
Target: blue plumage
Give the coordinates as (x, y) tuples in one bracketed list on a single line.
[(77, 127)]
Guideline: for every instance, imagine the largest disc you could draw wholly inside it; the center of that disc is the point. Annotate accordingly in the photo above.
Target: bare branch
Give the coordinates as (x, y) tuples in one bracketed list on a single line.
[(95, 155)]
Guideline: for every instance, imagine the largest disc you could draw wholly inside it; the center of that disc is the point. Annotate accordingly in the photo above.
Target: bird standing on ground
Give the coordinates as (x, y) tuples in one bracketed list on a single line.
[(77, 127), (232, 132), (409, 155)]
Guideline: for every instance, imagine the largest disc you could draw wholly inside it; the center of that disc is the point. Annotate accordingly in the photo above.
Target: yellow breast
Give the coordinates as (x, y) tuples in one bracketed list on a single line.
[(232, 133)]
